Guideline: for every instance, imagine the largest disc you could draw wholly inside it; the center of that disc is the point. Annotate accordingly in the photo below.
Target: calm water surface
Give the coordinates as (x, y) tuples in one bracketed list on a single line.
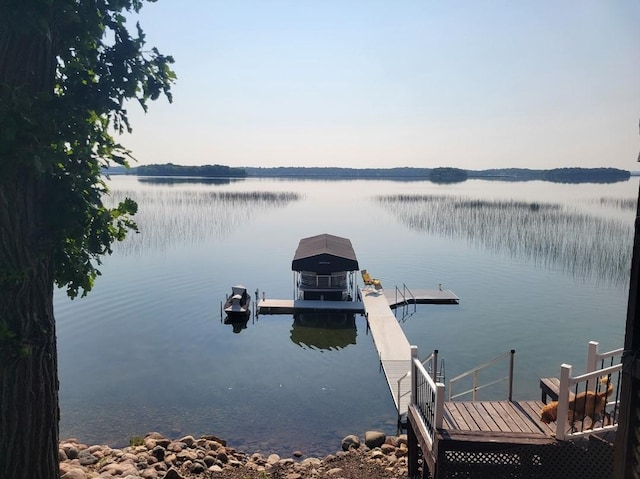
[(541, 268)]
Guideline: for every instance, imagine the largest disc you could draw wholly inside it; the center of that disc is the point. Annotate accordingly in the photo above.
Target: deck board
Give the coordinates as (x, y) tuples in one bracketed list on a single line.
[(472, 411), (506, 417), (490, 419), (533, 409), (500, 422), (522, 420), (453, 419)]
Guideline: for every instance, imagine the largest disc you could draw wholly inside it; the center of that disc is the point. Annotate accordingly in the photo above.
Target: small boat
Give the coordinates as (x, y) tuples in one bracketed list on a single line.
[(237, 305)]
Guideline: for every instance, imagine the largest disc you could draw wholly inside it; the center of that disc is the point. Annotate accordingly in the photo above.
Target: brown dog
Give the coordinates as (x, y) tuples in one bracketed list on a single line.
[(585, 404)]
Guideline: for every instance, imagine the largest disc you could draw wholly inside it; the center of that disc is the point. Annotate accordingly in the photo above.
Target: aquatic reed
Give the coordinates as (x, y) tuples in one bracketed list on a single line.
[(581, 244), (168, 216)]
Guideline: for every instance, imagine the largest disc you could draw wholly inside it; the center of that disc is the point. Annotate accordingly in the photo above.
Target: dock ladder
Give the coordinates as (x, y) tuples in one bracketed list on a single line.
[(404, 294)]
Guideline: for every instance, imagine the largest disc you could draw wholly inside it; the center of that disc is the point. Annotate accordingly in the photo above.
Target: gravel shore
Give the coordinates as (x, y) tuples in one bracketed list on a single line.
[(156, 457)]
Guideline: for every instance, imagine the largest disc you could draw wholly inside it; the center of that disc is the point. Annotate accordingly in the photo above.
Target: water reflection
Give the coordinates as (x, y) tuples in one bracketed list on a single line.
[(582, 244), (324, 330), (167, 216), (624, 204), (238, 324), (177, 180)]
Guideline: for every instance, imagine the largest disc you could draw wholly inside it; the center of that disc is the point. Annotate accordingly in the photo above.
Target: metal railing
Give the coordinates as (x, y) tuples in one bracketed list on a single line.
[(427, 395), (403, 294), (475, 372), (429, 364)]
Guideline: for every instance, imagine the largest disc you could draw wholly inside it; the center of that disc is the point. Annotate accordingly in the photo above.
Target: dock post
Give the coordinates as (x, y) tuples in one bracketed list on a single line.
[(511, 361), (439, 410), (592, 356), (435, 366), (592, 362), (563, 403), (414, 376)]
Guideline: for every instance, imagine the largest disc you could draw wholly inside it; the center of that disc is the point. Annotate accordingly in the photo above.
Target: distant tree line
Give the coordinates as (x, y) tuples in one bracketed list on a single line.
[(448, 175), (556, 175), (589, 175), (206, 171), (337, 172), (437, 175)]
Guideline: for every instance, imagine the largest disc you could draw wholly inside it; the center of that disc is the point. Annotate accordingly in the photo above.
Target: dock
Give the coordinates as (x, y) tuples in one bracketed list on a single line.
[(397, 296), (393, 347), (394, 298), (292, 306)]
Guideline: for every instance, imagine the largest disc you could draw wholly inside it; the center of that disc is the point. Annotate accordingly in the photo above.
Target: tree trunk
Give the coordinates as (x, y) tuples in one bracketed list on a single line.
[(29, 414)]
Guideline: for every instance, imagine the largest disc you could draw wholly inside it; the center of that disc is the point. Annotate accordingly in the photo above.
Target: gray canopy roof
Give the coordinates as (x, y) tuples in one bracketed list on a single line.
[(325, 254)]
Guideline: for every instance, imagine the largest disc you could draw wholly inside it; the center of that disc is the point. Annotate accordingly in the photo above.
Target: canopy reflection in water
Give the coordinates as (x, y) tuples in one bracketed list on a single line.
[(324, 330)]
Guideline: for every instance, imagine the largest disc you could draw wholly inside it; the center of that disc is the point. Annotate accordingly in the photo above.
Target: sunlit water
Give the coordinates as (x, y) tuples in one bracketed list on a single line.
[(541, 268)]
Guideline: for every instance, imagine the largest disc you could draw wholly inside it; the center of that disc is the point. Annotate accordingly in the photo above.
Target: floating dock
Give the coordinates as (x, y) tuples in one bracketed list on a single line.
[(290, 306), (396, 297), (393, 298)]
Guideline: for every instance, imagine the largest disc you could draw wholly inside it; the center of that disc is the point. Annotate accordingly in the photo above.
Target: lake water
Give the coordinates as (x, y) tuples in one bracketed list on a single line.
[(541, 268)]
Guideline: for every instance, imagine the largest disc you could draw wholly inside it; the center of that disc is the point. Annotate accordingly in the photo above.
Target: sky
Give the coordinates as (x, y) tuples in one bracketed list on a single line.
[(471, 84)]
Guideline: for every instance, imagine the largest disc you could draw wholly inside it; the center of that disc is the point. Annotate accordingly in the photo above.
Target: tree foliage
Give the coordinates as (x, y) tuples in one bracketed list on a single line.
[(447, 175), (62, 124), (204, 171)]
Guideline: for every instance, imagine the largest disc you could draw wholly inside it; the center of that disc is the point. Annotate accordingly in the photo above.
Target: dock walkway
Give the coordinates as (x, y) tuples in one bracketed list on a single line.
[(393, 347)]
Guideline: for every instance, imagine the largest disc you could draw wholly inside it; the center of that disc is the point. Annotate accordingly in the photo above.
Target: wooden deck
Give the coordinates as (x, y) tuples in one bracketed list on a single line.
[(481, 426), (495, 420), (393, 347)]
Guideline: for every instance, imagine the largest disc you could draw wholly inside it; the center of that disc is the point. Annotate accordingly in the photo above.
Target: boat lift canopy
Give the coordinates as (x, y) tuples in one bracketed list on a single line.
[(325, 254)]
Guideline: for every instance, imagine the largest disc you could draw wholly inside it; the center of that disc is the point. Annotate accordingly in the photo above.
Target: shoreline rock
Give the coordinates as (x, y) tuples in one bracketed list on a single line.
[(158, 457)]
